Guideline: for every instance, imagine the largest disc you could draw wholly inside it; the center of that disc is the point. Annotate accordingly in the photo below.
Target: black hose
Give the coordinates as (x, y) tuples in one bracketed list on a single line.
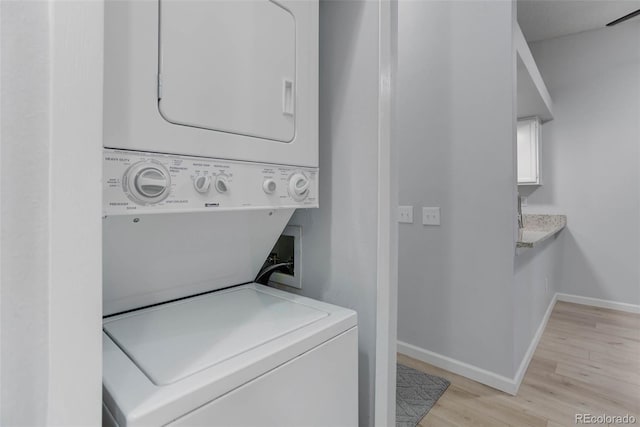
[(263, 276)]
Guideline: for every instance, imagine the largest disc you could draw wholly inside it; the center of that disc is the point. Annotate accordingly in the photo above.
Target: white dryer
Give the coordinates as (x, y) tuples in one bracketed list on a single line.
[(229, 79), (211, 144)]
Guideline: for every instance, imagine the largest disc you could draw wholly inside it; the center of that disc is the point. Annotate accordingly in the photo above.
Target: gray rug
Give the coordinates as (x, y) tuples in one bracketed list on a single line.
[(416, 393)]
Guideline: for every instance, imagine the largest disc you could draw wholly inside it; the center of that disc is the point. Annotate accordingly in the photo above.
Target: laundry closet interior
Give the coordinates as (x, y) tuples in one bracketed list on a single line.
[(211, 143)]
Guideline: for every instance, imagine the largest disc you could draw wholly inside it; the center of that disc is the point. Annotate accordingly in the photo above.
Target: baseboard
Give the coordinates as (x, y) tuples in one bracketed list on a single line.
[(596, 302), (497, 381)]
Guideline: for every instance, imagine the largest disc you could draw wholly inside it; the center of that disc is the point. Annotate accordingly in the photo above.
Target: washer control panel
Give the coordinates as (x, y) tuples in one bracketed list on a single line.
[(137, 182)]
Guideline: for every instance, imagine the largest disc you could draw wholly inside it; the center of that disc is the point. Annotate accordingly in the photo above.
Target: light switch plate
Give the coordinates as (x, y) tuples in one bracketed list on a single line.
[(431, 216), (405, 214)]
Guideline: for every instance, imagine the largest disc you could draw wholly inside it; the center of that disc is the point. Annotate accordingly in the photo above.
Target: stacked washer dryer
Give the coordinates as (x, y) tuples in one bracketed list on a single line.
[(211, 143)]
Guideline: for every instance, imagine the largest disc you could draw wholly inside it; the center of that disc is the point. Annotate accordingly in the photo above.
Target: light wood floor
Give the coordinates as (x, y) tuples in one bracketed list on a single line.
[(588, 361)]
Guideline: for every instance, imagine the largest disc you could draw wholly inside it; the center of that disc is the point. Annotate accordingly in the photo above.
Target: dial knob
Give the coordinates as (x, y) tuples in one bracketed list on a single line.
[(269, 186), (299, 186), (146, 182), (202, 184), (222, 184)]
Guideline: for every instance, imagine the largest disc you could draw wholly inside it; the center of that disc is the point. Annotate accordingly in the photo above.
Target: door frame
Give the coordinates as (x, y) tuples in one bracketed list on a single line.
[(387, 251)]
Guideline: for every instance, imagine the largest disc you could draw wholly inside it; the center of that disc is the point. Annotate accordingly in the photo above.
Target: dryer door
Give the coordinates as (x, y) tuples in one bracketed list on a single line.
[(228, 66)]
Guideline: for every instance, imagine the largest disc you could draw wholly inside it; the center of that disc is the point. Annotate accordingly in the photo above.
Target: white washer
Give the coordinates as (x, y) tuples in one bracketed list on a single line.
[(246, 356)]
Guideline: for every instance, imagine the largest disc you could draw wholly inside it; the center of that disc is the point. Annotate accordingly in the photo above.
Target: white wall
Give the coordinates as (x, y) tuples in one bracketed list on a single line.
[(591, 159), (75, 206), (50, 173), (340, 239), (24, 218), (455, 130), (535, 283)]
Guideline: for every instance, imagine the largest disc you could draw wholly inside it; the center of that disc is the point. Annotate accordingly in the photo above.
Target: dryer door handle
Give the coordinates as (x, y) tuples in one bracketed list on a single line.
[(288, 97)]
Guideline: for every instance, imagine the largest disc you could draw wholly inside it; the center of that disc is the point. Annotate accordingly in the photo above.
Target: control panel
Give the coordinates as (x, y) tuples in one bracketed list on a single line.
[(137, 182)]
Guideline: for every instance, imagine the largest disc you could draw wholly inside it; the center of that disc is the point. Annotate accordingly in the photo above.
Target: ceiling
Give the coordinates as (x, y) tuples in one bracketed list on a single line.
[(545, 19)]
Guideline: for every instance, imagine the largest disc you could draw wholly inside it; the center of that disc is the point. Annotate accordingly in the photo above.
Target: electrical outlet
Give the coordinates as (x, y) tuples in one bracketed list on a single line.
[(431, 216), (405, 214)]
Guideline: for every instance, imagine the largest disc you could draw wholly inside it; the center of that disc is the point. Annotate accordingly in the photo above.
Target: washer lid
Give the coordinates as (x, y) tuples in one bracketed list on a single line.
[(173, 341)]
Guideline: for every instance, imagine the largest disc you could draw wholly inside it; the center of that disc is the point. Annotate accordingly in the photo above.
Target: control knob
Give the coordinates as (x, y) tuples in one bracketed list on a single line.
[(222, 184), (269, 186), (146, 182), (202, 184), (299, 186)]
